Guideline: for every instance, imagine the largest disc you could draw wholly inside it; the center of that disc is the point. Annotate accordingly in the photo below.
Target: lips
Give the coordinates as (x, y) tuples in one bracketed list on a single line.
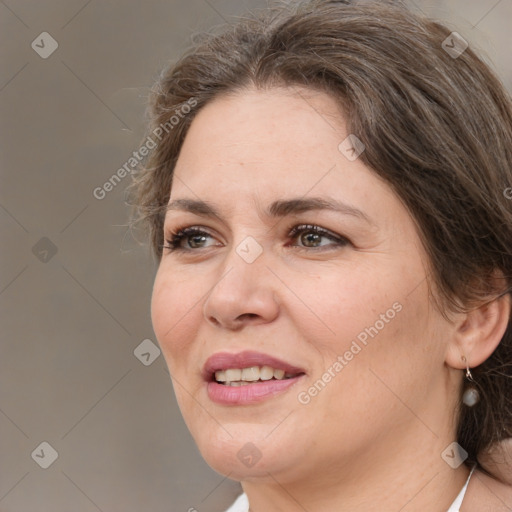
[(247, 377)]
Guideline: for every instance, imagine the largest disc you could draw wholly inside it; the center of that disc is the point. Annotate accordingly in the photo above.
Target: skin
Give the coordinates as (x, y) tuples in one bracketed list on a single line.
[(372, 439)]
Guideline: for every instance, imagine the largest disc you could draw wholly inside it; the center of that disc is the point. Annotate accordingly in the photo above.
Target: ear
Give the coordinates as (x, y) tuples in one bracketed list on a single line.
[(477, 333)]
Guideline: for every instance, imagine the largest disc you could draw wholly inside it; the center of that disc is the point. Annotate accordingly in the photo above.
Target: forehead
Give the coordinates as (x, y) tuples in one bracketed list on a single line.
[(255, 147), (275, 130)]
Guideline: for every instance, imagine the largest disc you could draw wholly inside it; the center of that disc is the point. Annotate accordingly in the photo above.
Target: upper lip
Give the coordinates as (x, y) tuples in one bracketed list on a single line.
[(246, 359)]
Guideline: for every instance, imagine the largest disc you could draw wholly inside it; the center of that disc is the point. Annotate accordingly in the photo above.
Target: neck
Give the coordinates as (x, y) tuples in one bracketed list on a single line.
[(410, 476)]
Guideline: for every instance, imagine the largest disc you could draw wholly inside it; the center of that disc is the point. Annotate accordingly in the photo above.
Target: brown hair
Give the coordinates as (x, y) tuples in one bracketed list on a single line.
[(437, 128)]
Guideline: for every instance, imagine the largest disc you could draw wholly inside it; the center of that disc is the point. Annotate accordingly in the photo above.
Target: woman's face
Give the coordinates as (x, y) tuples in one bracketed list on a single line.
[(342, 354)]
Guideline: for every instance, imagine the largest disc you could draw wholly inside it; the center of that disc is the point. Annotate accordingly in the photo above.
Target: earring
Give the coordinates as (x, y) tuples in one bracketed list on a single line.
[(471, 395)]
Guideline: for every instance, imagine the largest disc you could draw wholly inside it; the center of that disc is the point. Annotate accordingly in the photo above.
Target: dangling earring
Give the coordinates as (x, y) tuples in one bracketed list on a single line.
[(471, 396)]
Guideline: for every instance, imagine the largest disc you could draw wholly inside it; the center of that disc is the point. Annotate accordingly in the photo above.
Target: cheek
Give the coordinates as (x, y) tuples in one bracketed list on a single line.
[(370, 384), (172, 311), (336, 311), (372, 318)]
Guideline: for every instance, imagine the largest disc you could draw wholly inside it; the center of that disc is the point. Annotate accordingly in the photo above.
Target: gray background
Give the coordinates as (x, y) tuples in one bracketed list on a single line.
[(72, 319)]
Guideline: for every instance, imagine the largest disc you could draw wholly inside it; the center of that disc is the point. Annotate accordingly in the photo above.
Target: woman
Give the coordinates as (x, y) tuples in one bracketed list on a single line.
[(326, 202)]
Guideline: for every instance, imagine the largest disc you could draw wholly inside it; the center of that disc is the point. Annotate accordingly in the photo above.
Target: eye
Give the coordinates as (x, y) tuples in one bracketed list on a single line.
[(194, 236), (311, 236)]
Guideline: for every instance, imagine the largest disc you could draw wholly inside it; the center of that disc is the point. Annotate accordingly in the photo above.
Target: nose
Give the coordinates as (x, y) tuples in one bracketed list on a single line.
[(243, 294)]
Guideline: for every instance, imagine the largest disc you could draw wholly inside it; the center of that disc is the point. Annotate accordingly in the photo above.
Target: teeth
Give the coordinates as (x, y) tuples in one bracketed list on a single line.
[(266, 372), (241, 377), (250, 374), (232, 375), (220, 376), (278, 374)]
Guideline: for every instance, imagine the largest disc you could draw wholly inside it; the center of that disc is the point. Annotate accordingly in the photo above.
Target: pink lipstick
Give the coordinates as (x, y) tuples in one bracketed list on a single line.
[(247, 377)]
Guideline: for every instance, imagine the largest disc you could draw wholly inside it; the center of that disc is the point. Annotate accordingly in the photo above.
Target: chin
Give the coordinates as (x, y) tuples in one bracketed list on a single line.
[(244, 453)]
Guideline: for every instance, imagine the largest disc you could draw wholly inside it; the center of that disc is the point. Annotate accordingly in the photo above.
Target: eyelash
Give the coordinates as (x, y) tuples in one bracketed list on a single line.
[(181, 233)]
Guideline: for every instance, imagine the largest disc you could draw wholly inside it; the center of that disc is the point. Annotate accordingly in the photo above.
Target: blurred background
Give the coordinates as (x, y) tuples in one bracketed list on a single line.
[(88, 418)]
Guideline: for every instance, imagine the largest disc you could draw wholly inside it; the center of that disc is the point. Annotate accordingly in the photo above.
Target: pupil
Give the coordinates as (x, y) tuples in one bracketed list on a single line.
[(197, 237), (311, 238)]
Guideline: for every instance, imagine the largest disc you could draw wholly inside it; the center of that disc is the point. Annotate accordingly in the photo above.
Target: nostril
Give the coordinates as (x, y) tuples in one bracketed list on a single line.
[(214, 321), (247, 315)]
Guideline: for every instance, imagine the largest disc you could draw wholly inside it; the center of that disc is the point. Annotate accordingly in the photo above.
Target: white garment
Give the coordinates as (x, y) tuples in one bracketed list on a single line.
[(242, 503), (455, 506)]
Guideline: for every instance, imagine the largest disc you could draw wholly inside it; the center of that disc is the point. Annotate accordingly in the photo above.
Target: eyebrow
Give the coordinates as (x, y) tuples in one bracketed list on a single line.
[(280, 208)]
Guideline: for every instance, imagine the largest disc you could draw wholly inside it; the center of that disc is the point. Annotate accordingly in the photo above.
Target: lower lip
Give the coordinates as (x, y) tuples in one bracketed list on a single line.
[(249, 394)]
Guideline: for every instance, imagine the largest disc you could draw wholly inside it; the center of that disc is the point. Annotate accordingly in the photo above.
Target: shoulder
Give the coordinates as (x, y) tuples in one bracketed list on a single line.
[(486, 494)]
